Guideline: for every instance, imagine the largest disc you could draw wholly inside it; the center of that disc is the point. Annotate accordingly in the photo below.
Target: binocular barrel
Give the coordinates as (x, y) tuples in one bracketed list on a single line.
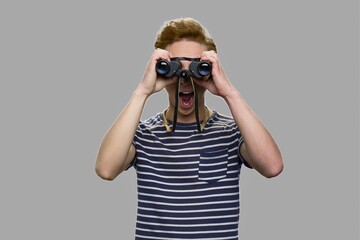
[(197, 69)]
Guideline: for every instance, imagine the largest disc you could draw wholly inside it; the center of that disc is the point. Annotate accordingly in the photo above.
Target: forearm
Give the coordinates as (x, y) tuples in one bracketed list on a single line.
[(115, 150), (261, 150)]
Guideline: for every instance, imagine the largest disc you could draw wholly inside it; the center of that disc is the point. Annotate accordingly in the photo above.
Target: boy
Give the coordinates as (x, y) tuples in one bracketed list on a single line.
[(188, 157)]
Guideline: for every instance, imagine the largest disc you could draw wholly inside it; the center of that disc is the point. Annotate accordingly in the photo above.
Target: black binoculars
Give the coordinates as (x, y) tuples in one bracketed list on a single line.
[(197, 68)]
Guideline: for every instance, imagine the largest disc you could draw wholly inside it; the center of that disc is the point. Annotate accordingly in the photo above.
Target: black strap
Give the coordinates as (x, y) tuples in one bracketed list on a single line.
[(196, 106), (176, 104)]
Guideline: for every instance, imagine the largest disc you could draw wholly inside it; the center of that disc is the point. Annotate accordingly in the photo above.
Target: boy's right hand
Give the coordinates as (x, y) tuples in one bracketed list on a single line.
[(151, 82)]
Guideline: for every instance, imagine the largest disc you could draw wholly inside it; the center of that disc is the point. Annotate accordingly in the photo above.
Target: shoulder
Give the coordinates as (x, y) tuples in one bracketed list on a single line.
[(151, 124), (152, 121), (218, 120)]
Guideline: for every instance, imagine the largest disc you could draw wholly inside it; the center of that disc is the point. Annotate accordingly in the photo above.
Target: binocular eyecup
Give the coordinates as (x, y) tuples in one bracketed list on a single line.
[(197, 68)]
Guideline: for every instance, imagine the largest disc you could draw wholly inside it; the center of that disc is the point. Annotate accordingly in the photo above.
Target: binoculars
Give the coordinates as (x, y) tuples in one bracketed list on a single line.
[(197, 68)]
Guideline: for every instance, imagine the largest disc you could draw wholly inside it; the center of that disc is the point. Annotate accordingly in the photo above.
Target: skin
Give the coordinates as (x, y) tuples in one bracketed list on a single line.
[(117, 151), (192, 50)]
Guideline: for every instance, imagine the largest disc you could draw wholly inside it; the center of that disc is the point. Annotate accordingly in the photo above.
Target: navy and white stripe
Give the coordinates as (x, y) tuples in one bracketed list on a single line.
[(188, 182)]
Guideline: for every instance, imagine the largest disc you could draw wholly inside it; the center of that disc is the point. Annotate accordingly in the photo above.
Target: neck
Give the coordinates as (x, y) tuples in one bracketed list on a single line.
[(206, 115), (187, 117)]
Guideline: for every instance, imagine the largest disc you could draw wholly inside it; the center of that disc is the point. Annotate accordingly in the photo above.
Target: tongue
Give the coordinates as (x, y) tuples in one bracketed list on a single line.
[(186, 100), (186, 97)]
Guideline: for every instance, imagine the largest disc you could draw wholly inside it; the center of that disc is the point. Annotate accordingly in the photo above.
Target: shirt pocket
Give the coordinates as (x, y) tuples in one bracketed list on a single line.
[(213, 165)]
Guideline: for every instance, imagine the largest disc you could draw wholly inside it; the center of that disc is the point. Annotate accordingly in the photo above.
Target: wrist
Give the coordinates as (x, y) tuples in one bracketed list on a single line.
[(141, 93), (235, 100), (231, 96)]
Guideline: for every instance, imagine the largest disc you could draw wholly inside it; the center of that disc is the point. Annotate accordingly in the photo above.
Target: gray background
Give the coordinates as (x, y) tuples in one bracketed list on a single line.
[(69, 67)]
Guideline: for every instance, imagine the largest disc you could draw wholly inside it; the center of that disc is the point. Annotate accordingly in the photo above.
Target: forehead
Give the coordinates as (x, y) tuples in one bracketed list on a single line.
[(186, 48)]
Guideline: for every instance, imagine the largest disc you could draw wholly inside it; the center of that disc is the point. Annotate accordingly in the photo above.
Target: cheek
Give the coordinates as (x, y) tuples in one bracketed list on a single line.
[(200, 90), (171, 89)]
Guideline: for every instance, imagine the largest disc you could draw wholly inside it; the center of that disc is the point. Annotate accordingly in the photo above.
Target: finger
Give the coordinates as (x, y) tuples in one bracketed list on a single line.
[(209, 55), (161, 54), (212, 57)]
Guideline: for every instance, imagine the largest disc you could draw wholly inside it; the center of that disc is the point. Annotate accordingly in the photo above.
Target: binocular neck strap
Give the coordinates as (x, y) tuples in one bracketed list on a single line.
[(200, 127), (196, 106), (176, 103)]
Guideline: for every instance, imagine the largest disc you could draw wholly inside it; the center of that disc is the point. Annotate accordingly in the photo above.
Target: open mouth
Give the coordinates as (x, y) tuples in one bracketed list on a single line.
[(186, 99)]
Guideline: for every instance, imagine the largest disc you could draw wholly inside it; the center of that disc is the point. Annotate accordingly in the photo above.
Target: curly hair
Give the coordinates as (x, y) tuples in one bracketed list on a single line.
[(183, 28)]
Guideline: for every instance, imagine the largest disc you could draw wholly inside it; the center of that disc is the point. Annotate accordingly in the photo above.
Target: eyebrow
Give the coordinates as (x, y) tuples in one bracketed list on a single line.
[(184, 58)]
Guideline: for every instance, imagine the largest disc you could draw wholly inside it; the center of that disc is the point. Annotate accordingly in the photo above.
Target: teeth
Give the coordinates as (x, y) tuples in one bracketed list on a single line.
[(185, 93)]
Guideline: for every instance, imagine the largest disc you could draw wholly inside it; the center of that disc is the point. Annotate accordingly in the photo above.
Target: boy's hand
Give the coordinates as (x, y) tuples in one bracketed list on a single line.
[(218, 83), (151, 82)]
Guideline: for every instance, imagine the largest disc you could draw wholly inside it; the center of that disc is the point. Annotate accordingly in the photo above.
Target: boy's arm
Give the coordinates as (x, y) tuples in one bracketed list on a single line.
[(259, 148), (116, 150)]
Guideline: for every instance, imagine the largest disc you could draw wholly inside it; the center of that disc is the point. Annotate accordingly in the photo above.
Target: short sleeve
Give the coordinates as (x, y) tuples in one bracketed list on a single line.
[(135, 142), (241, 141), (133, 162)]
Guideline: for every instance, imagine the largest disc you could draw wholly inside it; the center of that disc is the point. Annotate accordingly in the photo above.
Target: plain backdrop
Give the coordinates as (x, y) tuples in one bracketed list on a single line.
[(67, 68)]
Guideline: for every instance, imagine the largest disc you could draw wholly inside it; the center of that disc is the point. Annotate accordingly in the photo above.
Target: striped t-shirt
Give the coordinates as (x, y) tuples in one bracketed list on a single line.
[(188, 182)]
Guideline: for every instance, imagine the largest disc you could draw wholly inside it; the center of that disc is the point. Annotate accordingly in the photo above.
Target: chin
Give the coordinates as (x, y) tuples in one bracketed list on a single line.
[(187, 113)]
